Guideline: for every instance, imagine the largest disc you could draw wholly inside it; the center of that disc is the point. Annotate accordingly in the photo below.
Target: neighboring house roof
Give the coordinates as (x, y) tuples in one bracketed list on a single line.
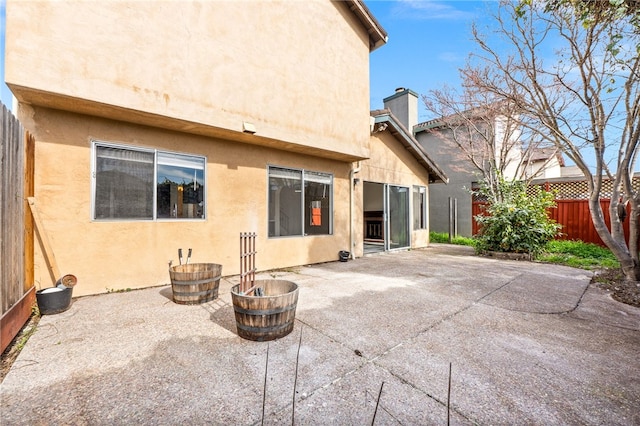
[(377, 34), (545, 154), (442, 122), (397, 129), (530, 156), (428, 125)]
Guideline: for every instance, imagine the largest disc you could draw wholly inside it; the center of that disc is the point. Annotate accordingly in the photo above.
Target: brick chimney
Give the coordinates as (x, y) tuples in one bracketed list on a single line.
[(404, 106)]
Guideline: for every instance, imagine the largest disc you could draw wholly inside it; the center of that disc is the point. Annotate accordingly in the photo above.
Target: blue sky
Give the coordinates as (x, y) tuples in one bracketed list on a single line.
[(428, 42), (5, 94)]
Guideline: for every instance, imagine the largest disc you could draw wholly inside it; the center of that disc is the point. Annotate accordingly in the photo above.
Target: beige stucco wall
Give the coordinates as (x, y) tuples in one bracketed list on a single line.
[(133, 254), (391, 163), (297, 70), (183, 77)]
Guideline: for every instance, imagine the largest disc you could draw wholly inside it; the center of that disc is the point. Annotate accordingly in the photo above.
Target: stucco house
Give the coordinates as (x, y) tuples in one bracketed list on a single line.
[(167, 125), (543, 163), (395, 203)]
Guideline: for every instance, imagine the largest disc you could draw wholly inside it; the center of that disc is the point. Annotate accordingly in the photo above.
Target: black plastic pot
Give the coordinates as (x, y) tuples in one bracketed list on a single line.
[(54, 300), (344, 255)]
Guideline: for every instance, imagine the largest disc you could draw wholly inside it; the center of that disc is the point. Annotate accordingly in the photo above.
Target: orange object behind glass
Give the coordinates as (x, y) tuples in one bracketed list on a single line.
[(316, 213)]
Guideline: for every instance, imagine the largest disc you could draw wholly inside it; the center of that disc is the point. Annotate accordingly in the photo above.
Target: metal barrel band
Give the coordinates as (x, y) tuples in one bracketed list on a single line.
[(256, 312), (192, 293), (272, 328), (195, 282)]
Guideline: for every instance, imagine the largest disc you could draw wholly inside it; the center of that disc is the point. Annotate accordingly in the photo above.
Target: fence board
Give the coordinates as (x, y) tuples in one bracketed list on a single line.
[(11, 211), (16, 167)]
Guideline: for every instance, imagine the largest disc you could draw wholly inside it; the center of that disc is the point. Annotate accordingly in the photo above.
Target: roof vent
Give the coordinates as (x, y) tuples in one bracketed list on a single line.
[(400, 89)]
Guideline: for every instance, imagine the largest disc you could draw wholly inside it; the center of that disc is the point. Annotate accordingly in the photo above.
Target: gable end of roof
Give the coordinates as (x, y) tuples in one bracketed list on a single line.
[(397, 129)]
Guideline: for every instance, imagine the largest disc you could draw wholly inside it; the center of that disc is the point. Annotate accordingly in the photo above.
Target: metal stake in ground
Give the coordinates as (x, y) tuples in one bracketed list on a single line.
[(449, 398), (377, 403), (295, 381), (264, 389)]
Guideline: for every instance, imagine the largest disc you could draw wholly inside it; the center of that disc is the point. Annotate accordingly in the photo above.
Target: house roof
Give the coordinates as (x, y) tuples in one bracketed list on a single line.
[(545, 154), (470, 114), (377, 35), (428, 125), (397, 129)]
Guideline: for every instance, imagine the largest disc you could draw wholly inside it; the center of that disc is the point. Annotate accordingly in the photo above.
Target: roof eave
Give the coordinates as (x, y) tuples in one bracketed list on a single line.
[(435, 173), (377, 35)]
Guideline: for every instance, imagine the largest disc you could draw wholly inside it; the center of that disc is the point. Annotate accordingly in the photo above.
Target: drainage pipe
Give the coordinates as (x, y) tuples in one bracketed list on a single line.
[(352, 173)]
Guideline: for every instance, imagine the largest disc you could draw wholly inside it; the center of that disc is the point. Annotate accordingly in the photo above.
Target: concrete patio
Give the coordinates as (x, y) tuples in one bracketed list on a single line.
[(528, 343)]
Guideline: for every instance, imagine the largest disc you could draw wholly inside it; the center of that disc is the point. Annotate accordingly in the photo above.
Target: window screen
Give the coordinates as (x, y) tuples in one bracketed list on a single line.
[(285, 202), (317, 196), (300, 202), (124, 184), (125, 179)]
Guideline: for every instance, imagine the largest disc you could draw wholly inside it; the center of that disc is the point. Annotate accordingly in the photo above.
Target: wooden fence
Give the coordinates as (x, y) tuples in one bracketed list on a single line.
[(572, 210), (17, 293)]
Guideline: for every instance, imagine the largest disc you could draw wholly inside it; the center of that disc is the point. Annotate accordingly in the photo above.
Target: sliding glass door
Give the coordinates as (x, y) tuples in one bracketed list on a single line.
[(397, 213)]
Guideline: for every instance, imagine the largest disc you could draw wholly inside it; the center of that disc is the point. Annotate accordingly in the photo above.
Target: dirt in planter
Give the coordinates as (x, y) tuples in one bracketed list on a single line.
[(612, 281)]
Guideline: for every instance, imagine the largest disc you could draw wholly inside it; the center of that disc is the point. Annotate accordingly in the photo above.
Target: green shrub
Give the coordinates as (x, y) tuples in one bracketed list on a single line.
[(514, 221)]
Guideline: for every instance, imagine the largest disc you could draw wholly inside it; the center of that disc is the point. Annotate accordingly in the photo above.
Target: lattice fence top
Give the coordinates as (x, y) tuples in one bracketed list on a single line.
[(570, 190), (577, 190)]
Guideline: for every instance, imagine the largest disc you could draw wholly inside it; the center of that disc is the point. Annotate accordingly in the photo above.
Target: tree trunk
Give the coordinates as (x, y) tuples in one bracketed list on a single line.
[(634, 223), (618, 246), (631, 270)]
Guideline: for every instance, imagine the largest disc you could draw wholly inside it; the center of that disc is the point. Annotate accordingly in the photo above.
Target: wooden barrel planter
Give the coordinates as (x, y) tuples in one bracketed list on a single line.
[(194, 283), (266, 317)]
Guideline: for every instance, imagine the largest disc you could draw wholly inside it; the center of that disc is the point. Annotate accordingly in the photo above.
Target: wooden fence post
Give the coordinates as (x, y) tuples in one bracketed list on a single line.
[(29, 191)]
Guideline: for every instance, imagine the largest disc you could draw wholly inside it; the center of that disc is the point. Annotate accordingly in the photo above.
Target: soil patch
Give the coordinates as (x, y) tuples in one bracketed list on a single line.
[(612, 281)]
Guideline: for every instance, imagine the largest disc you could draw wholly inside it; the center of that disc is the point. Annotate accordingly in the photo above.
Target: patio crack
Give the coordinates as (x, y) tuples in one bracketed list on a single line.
[(373, 360), (450, 316), (539, 312)]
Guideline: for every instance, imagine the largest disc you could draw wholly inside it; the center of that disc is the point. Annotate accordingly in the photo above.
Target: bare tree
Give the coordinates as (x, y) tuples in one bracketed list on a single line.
[(573, 73), (486, 130)]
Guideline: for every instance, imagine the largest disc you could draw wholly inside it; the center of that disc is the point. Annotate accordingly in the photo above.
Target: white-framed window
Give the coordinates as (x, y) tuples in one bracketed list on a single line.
[(132, 183), (300, 202), (419, 207)]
